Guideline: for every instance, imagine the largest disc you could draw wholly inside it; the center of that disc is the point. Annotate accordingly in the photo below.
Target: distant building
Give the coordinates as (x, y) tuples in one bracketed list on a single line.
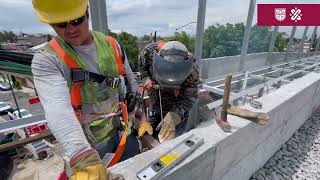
[(32, 40)]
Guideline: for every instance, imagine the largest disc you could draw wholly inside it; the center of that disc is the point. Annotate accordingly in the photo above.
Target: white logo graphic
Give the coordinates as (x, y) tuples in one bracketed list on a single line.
[(296, 14), (280, 14)]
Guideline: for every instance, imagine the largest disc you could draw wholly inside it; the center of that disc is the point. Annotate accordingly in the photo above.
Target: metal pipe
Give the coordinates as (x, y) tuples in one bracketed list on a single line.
[(302, 41), (256, 88), (312, 38), (246, 37), (99, 18), (293, 32), (200, 31), (14, 97), (193, 117), (271, 45)]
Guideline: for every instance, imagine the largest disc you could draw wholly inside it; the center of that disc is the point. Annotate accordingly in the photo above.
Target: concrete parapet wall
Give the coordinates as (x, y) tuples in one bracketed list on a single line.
[(237, 155), (213, 67)]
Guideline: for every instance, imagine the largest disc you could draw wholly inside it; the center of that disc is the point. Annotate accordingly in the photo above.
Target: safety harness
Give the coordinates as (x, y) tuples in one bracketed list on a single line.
[(79, 76)]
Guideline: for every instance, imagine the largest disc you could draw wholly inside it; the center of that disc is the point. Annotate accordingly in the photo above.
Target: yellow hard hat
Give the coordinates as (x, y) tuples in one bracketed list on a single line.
[(58, 11)]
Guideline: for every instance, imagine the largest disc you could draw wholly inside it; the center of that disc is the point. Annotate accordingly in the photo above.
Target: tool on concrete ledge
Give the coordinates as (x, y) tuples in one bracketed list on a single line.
[(157, 168), (220, 113), (256, 117)]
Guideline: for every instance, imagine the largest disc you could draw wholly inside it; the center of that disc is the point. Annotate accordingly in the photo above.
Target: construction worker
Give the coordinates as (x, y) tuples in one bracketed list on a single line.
[(80, 76), (168, 67)]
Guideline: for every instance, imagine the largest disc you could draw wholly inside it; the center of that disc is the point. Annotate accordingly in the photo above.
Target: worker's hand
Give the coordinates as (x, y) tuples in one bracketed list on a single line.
[(144, 126), (89, 166), (148, 84), (168, 126)]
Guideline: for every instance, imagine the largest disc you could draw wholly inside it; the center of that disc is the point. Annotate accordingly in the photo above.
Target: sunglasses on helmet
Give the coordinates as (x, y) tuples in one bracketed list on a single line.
[(74, 22)]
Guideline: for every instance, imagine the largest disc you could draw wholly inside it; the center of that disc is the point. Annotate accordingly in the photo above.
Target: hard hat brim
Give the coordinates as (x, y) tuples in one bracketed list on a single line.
[(62, 16)]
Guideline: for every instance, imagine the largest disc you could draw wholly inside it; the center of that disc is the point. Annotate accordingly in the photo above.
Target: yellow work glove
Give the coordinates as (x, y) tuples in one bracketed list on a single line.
[(89, 166), (144, 126), (168, 126)]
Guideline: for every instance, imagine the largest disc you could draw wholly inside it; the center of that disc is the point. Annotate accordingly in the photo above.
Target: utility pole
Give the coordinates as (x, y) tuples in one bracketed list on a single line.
[(98, 11), (193, 115)]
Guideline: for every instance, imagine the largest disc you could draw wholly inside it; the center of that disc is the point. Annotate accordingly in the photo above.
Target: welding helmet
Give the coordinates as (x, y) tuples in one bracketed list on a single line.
[(171, 64)]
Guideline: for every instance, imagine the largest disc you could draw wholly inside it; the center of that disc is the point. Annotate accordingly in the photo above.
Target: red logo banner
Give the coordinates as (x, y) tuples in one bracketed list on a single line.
[(288, 14)]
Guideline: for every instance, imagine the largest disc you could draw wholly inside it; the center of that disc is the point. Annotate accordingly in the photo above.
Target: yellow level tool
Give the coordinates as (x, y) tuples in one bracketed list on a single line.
[(158, 167)]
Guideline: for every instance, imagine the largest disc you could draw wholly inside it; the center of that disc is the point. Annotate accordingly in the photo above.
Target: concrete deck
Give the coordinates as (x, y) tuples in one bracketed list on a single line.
[(239, 154)]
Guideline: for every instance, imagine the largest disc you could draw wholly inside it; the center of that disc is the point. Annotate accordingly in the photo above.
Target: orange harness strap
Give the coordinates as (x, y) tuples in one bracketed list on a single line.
[(122, 145), (76, 86), (76, 91), (123, 106), (117, 54)]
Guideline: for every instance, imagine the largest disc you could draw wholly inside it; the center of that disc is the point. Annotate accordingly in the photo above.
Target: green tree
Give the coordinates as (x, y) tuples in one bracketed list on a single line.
[(223, 40), (145, 38), (260, 38), (281, 42), (7, 36), (186, 39), (129, 43)]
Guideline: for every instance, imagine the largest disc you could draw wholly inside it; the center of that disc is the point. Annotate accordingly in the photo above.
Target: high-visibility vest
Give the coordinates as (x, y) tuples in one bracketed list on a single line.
[(75, 89)]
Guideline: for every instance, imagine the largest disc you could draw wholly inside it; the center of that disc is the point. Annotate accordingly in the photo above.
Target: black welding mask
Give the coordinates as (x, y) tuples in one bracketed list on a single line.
[(172, 65)]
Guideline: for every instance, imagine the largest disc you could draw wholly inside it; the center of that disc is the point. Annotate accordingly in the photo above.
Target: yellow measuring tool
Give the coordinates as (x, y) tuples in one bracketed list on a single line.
[(158, 167)]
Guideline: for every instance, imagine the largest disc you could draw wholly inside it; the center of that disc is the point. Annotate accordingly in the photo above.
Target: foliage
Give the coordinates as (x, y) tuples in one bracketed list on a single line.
[(7, 36), (226, 40), (184, 38), (145, 38), (223, 40), (17, 84), (129, 43)]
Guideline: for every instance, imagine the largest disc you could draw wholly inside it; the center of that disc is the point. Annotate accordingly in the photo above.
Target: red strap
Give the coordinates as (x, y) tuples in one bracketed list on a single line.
[(122, 145), (117, 54), (76, 86), (176, 92)]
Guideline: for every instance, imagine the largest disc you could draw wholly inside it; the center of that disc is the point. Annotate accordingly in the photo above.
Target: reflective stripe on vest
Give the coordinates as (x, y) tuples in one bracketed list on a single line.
[(76, 90)]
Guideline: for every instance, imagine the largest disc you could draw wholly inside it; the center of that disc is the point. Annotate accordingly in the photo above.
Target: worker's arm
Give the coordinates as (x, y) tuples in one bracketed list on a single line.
[(49, 77), (188, 93), (132, 83), (145, 62)]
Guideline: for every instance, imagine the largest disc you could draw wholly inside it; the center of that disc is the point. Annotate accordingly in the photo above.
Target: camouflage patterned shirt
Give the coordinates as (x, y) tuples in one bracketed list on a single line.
[(180, 103)]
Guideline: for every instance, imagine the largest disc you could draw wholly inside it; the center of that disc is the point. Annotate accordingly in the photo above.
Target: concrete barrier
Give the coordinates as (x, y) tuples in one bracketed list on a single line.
[(237, 155), (214, 67)]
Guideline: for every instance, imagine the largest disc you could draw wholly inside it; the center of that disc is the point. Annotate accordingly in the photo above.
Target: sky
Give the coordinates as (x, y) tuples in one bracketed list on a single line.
[(141, 17)]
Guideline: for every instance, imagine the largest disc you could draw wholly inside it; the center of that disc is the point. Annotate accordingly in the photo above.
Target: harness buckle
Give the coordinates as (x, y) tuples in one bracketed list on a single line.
[(77, 75), (115, 82)]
